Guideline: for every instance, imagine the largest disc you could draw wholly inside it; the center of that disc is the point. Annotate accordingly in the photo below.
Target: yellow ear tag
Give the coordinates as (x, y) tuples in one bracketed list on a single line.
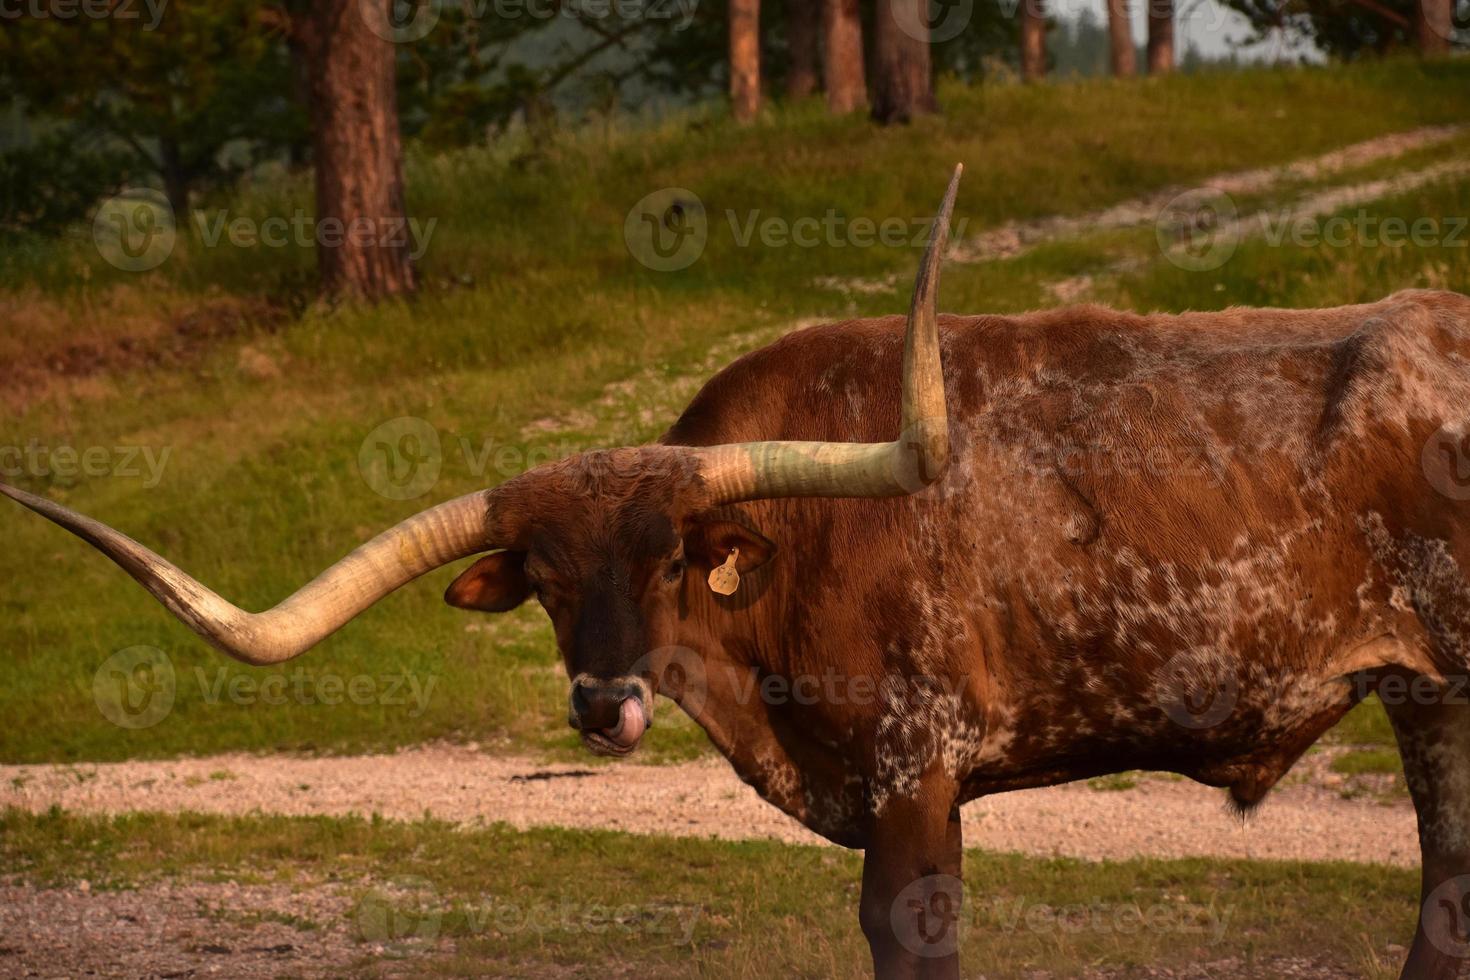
[(725, 579)]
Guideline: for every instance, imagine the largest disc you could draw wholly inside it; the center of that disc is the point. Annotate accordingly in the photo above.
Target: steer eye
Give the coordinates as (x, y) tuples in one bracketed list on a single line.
[(675, 569)]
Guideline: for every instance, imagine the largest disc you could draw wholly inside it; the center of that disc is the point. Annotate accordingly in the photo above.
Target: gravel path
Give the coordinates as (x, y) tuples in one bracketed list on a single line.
[(1307, 818), (1015, 238)]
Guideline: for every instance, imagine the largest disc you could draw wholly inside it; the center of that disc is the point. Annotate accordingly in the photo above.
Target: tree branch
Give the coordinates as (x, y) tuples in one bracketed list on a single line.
[(1388, 14)]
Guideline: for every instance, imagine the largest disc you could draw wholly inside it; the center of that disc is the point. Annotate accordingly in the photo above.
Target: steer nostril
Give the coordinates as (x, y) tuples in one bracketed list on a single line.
[(595, 707), (580, 707)]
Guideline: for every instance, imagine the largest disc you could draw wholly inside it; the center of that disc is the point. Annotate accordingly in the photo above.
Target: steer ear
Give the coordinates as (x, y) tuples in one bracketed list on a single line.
[(495, 583), (709, 543)]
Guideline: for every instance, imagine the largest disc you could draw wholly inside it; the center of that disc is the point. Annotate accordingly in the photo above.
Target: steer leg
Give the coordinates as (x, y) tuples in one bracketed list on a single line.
[(1434, 740), (911, 898)]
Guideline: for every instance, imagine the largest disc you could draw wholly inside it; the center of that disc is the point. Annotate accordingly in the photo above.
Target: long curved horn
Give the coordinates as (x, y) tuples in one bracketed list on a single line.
[(426, 541), (918, 457)]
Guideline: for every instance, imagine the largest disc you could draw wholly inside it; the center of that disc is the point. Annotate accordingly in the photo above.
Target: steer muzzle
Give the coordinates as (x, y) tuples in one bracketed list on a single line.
[(612, 715)]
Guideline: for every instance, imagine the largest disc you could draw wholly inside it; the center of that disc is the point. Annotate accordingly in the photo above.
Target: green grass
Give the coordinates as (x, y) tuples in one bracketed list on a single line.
[(532, 305), (1114, 783), (749, 908), (1261, 273), (1369, 761), (1367, 724)]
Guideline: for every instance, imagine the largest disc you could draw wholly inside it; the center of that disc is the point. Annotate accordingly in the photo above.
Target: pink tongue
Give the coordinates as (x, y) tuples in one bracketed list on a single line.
[(630, 725)]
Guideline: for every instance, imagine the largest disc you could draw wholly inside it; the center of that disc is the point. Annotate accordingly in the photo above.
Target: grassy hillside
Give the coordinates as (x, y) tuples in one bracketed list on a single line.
[(537, 334)]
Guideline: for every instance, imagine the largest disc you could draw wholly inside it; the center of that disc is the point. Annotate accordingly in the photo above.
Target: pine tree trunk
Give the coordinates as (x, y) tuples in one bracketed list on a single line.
[(842, 56), (745, 59), (175, 179), (363, 239), (1120, 38), (1432, 26), (902, 82), (1033, 39), (803, 24), (1160, 36)]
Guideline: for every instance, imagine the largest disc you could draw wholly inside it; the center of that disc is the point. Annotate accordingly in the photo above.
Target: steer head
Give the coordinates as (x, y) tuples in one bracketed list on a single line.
[(609, 564), (603, 540)]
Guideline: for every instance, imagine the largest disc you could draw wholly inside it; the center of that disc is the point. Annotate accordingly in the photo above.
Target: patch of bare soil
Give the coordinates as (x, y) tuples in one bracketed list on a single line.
[(1307, 818), (46, 360), (178, 929)]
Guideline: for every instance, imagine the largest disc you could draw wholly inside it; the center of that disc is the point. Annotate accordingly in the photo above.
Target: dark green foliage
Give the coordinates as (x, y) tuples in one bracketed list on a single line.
[(52, 182), (193, 95), (1341, 28)]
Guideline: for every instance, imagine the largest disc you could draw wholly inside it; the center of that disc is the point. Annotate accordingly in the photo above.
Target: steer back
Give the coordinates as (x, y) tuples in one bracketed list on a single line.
[(1164, 542)]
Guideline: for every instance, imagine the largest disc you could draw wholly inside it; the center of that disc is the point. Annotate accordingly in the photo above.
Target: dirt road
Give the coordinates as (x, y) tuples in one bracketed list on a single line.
[(1308, 818)]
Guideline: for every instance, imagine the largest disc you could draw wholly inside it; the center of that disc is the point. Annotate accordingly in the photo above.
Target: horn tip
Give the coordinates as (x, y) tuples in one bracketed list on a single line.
[(950, 193)]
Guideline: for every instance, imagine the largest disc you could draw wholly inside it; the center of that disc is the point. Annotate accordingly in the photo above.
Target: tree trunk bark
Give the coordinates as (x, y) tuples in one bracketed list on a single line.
[(1120, 38), (803, 23), (842, 56), (1033, 39), (1432, 27), (175, 179), (745, 59), (299, 152), (902, 83), (363, 240), (1160, 36)]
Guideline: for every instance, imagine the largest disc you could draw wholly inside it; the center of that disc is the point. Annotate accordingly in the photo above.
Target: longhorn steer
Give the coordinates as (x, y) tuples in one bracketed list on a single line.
[(1266, 507)]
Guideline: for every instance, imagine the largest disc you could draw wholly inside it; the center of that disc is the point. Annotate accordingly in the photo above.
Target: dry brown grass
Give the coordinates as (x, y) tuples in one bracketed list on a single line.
[(58, 350)]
